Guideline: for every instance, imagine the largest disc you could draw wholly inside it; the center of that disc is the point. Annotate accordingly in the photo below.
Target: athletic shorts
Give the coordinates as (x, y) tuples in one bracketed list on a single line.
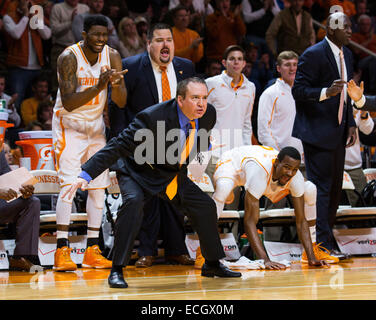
[(75, 141)]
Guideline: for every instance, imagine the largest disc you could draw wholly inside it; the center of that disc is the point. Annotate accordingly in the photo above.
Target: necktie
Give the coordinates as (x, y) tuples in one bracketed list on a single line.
[(341, 102), (166, 91), (172, 187)]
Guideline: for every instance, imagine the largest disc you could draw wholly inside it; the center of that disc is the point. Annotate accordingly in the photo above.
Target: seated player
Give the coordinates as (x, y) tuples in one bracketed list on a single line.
[(264, 171)]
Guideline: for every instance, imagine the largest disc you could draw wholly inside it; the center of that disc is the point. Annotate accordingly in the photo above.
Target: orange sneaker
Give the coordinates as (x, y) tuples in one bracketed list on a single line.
[(321, 253), (94, 259), (200, 260), (63, 261)]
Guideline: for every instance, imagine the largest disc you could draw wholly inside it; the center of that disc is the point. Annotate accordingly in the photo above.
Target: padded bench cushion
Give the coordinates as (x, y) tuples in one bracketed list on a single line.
[(51, 217), (277, 213)]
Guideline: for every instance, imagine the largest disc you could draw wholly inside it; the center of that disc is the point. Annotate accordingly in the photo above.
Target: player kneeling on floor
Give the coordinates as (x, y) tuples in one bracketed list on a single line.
[(264, 171)]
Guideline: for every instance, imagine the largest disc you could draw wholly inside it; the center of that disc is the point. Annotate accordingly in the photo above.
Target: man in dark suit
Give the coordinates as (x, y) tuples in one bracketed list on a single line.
[(25, 213), (145, 87), (324, 120), (143, 176)]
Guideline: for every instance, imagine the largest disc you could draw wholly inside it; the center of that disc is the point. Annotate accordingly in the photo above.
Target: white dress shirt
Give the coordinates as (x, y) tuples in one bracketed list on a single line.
[(336, 52), (171, 76)]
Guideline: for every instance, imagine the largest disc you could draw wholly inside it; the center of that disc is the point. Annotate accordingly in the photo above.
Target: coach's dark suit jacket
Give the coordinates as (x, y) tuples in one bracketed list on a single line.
[(152, 177), (141, 88), (316, 122), (323, 139)]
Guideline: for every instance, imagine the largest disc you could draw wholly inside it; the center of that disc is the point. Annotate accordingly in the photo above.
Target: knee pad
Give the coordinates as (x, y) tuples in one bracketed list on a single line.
[(96, 198), (65, 199), (223, 190), (310, 193)]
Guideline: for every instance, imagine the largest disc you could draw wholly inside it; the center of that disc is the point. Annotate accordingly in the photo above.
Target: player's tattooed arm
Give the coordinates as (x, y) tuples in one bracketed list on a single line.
[(67, 68)]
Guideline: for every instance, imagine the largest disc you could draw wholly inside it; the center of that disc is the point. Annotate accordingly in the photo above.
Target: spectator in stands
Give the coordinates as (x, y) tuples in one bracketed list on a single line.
[(47, 44), (34, 126), (61, 19), (142, 8), (44, 114), (142, 27), (247, 71), (347, 5), (199, 6), (211, 68), (115, 10), (96, 7), (291, 29), (276, 109), (25, 51), (188, 43), (366, 62), (8, 153), (130, 41), (24, 212), (232, 95), (258, 15), (13, 116), (315, 8), (29, 106), (261, 71), (353, 158), (198, 10), (224, 27), (361, 8)]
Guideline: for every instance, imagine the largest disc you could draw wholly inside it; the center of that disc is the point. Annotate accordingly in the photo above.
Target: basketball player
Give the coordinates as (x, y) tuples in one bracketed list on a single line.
[(264, 171), (85, 70)]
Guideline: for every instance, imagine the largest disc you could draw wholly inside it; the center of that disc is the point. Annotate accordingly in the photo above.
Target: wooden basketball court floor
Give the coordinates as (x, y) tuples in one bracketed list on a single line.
[(354, 279)]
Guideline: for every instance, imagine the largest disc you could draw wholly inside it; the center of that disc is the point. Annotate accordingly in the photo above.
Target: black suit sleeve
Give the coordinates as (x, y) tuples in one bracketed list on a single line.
[(306, 80), (370, 104), (122, 146)]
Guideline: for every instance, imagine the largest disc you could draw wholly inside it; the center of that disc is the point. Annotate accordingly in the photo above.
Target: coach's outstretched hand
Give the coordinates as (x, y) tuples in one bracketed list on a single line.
[(354, 91), (80, 183)]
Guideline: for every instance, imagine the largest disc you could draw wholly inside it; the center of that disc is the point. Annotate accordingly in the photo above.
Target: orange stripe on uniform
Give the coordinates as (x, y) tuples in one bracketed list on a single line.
[(62, 142), (83, 54), (273, 109)]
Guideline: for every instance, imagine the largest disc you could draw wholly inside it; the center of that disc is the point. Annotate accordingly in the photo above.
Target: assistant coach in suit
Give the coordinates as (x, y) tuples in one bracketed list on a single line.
[(144, 178), (145, 87), (324, 119)]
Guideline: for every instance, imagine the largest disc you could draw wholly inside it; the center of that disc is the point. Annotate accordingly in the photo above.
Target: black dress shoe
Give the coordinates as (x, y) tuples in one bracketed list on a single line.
[(219, 271), (339, 255), (116, 280), (23, 264)]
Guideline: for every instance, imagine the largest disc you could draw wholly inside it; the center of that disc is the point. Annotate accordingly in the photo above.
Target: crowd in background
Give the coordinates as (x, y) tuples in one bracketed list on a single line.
[(202, 30)]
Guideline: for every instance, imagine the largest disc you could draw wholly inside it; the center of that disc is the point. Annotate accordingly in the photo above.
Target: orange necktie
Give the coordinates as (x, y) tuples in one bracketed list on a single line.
[(166, 91), (172, 187), (341, 101)]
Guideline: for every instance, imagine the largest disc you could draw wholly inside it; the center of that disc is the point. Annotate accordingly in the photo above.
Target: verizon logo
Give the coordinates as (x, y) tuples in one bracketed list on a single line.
[(370, 242)]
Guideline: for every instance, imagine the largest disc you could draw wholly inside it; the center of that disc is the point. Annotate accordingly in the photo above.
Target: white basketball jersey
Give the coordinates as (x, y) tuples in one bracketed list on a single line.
[(87, 76), (239, 156)]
